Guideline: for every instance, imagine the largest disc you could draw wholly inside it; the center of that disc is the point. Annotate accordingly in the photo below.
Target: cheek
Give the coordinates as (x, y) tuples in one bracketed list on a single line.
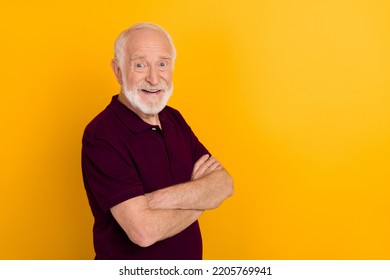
[(167, 78), (134, 79)]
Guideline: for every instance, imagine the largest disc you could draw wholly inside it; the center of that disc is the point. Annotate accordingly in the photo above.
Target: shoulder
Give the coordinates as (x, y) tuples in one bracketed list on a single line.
[(174, 119), (171, 111), (102, 125), (173, 115), (100, 120)]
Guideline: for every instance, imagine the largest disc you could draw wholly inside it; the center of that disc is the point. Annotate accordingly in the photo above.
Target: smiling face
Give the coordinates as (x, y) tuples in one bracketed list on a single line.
[(145, 74)]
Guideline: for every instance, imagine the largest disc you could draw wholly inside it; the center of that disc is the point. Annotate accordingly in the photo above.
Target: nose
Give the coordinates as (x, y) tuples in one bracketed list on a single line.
[(152, 76)]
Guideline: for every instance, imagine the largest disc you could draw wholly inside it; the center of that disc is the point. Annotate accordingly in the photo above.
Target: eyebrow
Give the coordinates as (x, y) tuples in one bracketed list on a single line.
[(139, 56)]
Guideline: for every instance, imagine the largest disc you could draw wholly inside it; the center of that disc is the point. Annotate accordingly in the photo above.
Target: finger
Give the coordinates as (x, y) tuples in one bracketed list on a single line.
[(206, 168), (198, 174), (200, 162), (216, 165), (202, 169), (202, 166), (195, 175)]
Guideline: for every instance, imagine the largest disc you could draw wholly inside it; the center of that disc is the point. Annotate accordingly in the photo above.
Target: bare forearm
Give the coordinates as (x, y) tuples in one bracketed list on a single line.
[(145, 226), (205, 193), (162, 224)]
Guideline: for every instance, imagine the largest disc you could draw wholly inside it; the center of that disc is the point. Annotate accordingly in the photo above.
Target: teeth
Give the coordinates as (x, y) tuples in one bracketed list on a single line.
[(152, 90)]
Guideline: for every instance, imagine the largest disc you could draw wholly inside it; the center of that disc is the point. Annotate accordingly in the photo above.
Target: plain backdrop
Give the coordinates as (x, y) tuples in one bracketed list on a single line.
[(293, 97)]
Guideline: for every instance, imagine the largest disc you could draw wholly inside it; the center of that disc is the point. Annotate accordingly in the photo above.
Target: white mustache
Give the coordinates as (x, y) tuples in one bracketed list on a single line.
[(146, 86)]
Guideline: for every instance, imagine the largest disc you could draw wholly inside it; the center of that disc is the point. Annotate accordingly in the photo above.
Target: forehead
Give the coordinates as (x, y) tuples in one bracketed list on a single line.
[(147, 43)]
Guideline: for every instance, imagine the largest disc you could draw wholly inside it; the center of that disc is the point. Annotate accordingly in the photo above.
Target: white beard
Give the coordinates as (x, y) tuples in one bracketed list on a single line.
[(154, 106)]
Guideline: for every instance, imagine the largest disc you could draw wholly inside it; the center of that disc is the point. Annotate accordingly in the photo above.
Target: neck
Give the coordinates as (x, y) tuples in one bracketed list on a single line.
[(150, 119)]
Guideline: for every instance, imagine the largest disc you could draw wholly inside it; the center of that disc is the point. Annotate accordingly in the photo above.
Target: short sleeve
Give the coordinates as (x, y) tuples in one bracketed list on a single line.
[(197, 148), (108, 176)]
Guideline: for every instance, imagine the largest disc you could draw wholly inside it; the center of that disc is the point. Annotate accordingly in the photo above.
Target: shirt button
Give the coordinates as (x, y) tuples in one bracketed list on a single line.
[(154, 129)]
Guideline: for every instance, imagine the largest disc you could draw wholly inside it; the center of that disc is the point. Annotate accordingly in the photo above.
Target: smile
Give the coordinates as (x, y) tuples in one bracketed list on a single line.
[(151, 91)]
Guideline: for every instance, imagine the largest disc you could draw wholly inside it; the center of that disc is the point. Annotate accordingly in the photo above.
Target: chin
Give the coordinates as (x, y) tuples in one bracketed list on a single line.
[(148, 107)]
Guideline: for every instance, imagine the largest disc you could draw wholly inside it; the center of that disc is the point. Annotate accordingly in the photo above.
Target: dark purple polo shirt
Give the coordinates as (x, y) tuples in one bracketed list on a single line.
[(124, 157)]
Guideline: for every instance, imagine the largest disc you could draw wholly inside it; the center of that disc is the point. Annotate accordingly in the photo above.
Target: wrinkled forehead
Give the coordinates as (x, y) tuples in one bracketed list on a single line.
[(147, 42)]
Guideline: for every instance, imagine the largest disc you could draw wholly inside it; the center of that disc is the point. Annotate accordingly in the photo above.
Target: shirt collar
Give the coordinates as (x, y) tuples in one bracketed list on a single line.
[(129, 118)]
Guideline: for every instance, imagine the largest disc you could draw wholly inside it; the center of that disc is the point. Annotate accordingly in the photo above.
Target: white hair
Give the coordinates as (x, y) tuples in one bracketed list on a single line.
[(120, 41)]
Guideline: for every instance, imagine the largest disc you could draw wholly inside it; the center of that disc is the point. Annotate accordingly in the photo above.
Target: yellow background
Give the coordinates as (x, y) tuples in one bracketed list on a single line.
[(292, 96)]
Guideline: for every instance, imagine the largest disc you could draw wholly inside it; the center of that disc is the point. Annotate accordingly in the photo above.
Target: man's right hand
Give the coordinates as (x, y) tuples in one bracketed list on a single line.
[(204, 166), (209, 186)]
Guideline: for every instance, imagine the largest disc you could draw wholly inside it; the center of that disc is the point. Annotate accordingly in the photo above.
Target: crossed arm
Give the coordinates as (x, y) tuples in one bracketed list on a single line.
[(166, 212)]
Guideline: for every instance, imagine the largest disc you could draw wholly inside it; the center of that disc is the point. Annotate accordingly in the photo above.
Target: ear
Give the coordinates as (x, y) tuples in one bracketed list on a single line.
[(117, 71)]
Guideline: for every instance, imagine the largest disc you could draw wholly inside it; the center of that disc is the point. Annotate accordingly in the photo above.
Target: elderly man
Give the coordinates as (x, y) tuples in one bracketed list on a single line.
[(147, 176)]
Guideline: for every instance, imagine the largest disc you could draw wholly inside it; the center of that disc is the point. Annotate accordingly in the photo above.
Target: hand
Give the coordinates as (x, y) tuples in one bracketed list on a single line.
[(205, 165)]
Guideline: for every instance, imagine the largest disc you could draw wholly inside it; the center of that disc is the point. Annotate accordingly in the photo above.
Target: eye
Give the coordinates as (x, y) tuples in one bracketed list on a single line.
[(163, 64), (139, 65)]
